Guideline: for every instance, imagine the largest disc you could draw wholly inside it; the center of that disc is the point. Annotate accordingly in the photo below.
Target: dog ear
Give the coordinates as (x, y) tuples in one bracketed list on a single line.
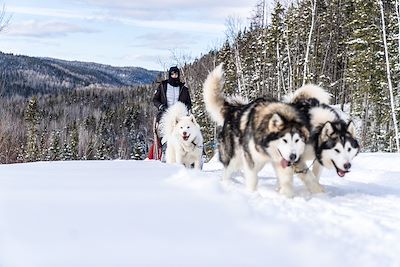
[(326, 131), (351, 129), (305, 132), (275, 123)]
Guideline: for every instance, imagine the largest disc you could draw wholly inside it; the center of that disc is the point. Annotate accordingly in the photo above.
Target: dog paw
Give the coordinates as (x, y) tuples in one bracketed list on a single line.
[(251, 188), (287, 192), (316, 188)]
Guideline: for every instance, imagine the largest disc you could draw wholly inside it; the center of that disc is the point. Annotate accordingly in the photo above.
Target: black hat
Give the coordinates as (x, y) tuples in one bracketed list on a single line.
[(174, 81), (173, 69)]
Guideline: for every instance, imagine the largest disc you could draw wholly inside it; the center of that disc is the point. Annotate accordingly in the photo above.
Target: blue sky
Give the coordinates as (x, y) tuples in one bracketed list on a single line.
[(145, 33)]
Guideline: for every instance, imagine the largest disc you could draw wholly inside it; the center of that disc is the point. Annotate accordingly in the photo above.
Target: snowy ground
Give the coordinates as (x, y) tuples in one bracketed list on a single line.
[(145, 213)]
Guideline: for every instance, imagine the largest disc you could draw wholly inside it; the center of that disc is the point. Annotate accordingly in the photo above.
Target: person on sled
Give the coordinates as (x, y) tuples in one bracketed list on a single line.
[(168, 93)]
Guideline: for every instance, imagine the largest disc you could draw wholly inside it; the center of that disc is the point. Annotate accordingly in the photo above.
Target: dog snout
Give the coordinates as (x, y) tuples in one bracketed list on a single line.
[(347, 166), (292, 157), (184, 133)]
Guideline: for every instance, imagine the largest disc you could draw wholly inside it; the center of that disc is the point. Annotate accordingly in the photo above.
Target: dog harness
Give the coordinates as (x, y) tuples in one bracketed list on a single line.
[(304, 171)]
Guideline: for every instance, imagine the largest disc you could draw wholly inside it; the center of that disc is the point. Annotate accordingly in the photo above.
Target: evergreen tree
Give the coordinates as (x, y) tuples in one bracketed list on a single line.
[(66, 152), (225, 56), (74, 144), (54, 151), (32, 119), (367, 73)]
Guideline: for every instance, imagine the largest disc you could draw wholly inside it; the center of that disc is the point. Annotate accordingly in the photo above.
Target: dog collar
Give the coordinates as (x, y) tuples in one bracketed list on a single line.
[(304, 171), (195, 145)]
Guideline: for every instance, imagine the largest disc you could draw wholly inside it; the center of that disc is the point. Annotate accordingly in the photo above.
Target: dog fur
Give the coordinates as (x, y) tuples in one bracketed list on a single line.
[(183, 136), (333, 143), (257, 132)]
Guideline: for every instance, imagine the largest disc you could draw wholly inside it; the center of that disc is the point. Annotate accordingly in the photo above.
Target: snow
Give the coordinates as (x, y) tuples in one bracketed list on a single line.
[(146, 213)]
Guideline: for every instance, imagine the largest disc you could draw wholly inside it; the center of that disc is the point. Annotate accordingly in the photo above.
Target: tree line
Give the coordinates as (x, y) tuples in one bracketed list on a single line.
[(349, 47), (80, 124)]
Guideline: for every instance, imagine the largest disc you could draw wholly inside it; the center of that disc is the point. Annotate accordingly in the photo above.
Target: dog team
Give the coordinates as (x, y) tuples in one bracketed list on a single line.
[(285, 134)]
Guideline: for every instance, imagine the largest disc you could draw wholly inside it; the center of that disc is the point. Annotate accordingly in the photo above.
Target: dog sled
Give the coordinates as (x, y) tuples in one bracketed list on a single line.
[(155, 151)]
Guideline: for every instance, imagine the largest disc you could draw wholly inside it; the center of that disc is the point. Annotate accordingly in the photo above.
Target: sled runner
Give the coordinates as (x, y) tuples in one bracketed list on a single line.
[(155, 151)]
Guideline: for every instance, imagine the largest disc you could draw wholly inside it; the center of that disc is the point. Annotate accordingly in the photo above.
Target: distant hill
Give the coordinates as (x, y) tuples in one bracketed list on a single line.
[(26, 75)]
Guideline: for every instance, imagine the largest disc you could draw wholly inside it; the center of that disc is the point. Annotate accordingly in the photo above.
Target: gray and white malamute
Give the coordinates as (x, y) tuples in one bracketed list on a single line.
[(183, 136), (255, 133), (332, 142)]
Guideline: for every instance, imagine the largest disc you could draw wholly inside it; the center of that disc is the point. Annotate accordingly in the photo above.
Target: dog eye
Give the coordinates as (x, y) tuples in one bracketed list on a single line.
[(337, 150), (297, 140), (284, 140), (349, 149)]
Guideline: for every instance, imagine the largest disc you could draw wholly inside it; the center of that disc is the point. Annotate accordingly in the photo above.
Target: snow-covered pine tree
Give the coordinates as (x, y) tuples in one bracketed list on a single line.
[(32, 120), (225, 56), (276, 44), (66, 152), (74, 142), (54, 151), (366, 73)]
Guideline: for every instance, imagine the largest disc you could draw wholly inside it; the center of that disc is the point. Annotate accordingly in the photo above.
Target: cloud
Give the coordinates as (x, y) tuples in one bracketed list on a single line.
[(144, 18), (39, 29), (169, 40), (173, 25), (207, 16), (48, 12), (170, 4), (178, 9), (155, 62)]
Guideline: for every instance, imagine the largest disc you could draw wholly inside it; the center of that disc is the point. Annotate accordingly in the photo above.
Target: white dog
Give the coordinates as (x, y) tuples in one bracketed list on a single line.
[(183, 136)]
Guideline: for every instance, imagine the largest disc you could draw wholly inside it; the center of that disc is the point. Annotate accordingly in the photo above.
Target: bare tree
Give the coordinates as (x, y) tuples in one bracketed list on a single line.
[(233, 25), (181, 58), (290, 80), (4, 19), (389, 77), (313, 11), (397, 6)]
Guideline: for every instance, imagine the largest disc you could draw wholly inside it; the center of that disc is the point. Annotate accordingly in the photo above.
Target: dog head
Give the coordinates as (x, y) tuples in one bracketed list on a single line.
[(337, 146), (288, 140), (186, 128)]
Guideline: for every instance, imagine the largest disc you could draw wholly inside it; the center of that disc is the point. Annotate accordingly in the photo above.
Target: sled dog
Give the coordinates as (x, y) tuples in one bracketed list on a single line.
[(257, 132), (332, 142), (183, 136)]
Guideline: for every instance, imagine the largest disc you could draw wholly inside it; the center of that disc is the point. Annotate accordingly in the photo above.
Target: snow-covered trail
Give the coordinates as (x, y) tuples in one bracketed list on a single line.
[(358, 213), (145, 213)]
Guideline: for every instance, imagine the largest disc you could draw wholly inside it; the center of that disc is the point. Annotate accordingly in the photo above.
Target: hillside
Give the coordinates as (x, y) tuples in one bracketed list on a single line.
[(26, 75), (146, 213)]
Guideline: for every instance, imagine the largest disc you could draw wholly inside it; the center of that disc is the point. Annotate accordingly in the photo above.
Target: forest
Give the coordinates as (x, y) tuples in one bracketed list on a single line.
[(349, 47)]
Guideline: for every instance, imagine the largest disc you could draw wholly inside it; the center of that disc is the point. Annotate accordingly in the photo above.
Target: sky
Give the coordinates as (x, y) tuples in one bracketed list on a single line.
[(119, 32)]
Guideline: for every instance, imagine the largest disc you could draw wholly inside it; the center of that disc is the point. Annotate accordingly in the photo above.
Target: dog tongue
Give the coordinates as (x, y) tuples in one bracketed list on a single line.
[(284, 163), (341, 173)]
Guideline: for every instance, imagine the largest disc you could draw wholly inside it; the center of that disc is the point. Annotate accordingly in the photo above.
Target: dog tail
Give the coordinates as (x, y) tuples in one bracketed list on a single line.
[(214, 98), (310, 91), (215, 101), (170, 118)]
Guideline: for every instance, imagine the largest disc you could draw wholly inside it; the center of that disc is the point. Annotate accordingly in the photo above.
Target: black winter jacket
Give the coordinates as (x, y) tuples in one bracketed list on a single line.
[(160, 97)]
